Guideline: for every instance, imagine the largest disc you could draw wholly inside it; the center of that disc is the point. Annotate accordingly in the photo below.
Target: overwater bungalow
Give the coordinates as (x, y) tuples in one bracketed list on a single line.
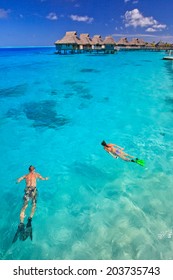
[(123, 42), (142, 43), (71, 43), (150, 45), (160, 44), (163, 46), (85, 42), (109, 45), (68, 44), (97, 43), (136, 43)]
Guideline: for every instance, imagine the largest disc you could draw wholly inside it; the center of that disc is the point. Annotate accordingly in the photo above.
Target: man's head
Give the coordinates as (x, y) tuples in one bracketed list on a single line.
[(31, 168), (103, 143)]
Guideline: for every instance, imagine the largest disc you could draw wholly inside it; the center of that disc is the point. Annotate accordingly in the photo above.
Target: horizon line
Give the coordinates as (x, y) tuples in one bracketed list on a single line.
[(26, 46), (141, 35)]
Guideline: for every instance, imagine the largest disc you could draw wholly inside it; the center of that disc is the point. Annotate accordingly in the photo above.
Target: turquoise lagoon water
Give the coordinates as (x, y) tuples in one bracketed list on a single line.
[(55, 111)]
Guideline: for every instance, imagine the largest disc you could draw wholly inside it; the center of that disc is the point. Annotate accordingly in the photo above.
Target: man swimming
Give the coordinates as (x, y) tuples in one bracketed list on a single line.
[(30, 193), (117, 151)]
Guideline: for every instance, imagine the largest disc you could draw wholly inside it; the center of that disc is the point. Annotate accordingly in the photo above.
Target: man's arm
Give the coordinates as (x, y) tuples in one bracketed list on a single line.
[(20, 179), (42, 178)]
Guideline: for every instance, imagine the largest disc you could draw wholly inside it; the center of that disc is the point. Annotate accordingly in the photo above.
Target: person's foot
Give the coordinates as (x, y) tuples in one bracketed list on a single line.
[(29, 222), (21, 226), (19, 233), (28, 230)]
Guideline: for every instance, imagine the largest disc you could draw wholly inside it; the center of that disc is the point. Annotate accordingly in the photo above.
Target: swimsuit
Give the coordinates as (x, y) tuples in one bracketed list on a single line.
[(117, 152), (30, 192)]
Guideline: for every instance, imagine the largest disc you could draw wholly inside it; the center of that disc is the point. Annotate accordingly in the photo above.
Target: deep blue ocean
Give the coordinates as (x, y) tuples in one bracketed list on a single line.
[(55, 112)]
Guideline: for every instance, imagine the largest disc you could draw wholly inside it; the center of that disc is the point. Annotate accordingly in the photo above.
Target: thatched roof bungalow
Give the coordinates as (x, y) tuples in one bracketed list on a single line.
[(160, 45), (142, 43), (123, 42), (135, 42), (85, 41), (109, 44), (109, 41), (97, 42), (70, 42), (163, 46), (150, 45)]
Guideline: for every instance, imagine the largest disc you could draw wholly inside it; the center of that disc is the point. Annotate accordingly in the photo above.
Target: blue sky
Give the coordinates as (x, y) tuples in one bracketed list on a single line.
[(42, 22)]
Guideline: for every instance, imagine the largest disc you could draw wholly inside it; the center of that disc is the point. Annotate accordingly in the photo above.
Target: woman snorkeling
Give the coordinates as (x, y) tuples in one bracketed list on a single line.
[(117, 151)]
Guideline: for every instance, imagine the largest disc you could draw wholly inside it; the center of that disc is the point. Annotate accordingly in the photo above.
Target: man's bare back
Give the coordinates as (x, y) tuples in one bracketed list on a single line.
[(31, 179)]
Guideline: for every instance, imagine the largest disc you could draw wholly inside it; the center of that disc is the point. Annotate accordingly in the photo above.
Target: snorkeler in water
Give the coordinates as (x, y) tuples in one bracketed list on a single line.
[(30, 194), (117, 151)]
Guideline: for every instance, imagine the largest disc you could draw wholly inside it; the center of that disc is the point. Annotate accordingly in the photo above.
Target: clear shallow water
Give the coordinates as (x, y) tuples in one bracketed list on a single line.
[(55, 111)]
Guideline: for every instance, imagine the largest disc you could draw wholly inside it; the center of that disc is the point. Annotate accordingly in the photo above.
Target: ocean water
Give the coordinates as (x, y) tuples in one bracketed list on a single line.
[(55, 111)]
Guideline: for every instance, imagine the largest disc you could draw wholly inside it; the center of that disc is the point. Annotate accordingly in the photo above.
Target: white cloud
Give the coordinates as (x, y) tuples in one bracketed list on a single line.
[(156, 27), (52, 16), (150, 29), (135, 18), (134, 2), (159, 26), (4, 13), (82, 18)]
